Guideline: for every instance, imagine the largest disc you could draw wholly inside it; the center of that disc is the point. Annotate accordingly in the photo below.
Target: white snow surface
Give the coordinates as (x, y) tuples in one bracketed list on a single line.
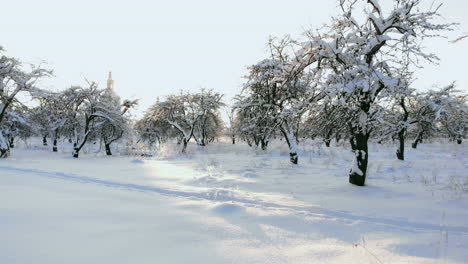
[(232, 204)]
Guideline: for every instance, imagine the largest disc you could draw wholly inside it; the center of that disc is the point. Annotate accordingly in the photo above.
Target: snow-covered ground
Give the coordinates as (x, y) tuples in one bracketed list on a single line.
[(232, 204)]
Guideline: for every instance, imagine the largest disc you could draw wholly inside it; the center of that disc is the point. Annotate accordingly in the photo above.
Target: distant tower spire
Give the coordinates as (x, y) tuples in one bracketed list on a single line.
[(110, 82)]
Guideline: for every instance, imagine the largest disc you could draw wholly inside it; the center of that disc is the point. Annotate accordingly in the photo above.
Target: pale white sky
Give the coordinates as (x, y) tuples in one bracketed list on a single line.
[(155, 48)]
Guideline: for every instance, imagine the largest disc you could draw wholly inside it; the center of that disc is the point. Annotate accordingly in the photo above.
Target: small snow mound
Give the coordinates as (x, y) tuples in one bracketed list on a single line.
[(228, 209), (137, 161), (249, 174)]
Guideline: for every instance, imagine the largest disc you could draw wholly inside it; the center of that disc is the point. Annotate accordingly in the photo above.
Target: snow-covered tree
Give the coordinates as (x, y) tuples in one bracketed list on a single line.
[(326, 120), (274, 98), (13, 80), (115, 124), (189, 114), (16, 123), (154, 129), (209, 123), (89, 113), (454, 117)]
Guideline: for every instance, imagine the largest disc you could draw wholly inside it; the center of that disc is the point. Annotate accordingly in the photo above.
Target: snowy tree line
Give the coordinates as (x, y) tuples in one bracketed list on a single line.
[(77, 114), (352, 80)]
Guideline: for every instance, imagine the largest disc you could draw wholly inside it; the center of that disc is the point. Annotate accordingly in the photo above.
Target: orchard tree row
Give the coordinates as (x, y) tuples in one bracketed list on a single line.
[(351, 80)]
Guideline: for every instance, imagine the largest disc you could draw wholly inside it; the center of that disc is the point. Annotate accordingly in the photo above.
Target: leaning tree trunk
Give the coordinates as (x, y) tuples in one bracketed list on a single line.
[(357, 175), (248, 142), (417, 140), (4, 152), (292, 144), (76, 147)]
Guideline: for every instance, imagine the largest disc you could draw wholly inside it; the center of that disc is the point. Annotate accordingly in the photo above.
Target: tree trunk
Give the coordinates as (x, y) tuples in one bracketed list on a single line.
[(76, 152), (417, 140), (44, 140), (357, 175), (264, 144), (256, 141), (4, 152), (328, 138), (108, 149), (400, 153), (56, 135), (233, 140), (12, 142), (54, 148), (202, 142), (4, 147), (184, 148), (292, 144), (401, 134), (337, 138), (459, 141)]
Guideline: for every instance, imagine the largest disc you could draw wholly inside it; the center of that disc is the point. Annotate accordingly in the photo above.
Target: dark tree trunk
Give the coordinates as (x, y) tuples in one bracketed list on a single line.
[(417, 140), (293, 157), (56, 135), (357, 175), (12, 142), (233, 140), (108, 149), (4, 153), (76, 147), (249, 142), (400, 153), (256, 141), (44, 140), (264, 144), (202, 143), (54, 148), (76, 152), (328, 137), (184, 148), (338, 138), (401, 134), (459, 141)]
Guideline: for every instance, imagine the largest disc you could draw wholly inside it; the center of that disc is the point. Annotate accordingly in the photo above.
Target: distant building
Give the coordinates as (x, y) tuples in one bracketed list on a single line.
[(110, 82)]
